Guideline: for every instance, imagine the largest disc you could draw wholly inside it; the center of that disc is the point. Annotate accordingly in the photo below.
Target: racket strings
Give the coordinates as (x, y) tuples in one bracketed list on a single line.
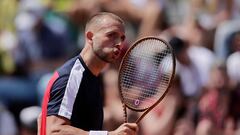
[(146, 73), (132, 96), (147, 92)]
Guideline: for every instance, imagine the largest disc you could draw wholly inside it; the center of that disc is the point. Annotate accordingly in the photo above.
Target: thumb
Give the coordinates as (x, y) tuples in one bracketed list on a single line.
[(132, 126)]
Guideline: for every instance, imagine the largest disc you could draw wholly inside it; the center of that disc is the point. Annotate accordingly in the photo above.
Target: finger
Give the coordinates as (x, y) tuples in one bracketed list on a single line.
[(130, 132), (132, 126)]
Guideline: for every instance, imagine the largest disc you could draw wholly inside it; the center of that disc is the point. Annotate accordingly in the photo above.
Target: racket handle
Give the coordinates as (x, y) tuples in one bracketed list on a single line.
[(125, 113)]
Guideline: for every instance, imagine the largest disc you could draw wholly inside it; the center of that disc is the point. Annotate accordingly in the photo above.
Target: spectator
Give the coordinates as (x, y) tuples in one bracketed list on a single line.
[(28, 120), (8, 124), (233, 61), (213, 104)]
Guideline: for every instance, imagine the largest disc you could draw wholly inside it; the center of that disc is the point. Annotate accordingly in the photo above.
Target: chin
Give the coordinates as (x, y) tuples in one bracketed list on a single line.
[(111, 60), (108, 60)]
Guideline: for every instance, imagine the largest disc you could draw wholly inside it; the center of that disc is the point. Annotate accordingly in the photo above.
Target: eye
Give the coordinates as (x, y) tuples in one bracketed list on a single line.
[(116, 37), (112, 35)]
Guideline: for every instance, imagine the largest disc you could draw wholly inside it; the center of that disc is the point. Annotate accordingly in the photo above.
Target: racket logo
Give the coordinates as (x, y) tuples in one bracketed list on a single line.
[(137, 102)]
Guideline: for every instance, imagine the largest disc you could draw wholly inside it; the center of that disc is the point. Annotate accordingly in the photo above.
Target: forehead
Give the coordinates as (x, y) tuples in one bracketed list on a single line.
[(108, 24)]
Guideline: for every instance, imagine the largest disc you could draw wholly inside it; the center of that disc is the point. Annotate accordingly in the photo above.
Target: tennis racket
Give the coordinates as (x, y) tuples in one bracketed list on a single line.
[(145, 75)]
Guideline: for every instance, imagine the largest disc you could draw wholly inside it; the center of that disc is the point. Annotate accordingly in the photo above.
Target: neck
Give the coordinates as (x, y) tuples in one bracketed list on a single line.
[(94, 64)]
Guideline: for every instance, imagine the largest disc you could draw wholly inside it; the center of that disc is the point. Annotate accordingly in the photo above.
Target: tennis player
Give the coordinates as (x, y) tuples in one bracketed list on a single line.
[(73, 101)]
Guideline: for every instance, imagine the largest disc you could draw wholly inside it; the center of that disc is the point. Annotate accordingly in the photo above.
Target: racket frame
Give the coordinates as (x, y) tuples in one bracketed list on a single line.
[(146, 110)]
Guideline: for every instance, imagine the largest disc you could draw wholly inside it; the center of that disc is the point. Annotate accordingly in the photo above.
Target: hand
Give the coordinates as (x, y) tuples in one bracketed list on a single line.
[(125, 129)]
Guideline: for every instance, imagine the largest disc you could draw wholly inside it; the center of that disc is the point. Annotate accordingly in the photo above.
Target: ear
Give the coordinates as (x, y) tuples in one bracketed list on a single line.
[(89, 36)]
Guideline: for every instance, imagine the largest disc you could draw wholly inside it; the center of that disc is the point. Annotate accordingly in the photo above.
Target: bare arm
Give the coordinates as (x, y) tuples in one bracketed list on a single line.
[(57, 125)]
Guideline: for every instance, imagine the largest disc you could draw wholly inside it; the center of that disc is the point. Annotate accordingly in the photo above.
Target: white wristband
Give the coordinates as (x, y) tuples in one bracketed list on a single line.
[(98, 132)]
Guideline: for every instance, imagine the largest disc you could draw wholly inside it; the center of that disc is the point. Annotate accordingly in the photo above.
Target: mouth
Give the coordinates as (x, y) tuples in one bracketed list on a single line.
[(116, 52)]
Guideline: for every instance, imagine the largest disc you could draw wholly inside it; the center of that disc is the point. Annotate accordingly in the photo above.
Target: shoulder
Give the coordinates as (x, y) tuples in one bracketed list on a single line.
[(69, 66)]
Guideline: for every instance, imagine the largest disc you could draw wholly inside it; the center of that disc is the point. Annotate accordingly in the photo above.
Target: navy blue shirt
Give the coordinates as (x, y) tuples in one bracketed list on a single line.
[(77, 95)]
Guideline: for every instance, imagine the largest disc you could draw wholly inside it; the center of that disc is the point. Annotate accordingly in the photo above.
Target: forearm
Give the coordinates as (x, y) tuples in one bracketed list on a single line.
[(69, 130), (66, 130), (57, 125)]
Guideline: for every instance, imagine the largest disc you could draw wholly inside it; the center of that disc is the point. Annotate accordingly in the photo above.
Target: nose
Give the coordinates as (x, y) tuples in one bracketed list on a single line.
[(119, 45), (119, 42)]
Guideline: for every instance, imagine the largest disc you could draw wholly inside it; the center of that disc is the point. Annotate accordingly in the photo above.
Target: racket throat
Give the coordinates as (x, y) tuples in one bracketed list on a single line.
[(125, 113)]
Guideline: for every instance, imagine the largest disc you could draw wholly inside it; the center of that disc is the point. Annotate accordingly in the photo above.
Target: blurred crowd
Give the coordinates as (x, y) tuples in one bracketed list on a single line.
[(36, 36)]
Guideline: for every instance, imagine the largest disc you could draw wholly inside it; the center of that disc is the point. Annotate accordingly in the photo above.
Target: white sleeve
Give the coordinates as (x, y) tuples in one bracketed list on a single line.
[(98, 132)]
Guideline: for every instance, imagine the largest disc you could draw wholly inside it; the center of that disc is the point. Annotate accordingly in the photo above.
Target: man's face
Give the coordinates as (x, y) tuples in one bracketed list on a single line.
[(108, 40)]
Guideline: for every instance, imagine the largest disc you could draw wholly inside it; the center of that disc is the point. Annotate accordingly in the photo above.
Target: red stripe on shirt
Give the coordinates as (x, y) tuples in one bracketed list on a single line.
[(45, 103)]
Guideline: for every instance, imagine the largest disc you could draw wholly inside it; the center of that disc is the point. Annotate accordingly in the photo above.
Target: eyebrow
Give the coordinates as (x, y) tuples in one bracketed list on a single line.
[(122, 36)]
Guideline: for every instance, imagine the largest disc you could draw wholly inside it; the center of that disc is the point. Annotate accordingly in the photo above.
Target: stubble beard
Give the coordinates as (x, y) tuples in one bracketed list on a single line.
[(102, 56)]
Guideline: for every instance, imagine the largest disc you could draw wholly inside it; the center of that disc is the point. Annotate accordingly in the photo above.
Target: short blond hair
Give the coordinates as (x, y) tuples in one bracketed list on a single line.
[(95, 19)]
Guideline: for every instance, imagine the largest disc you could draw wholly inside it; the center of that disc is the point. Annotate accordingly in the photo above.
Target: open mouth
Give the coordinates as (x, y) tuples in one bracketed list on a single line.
[(116, 53)]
